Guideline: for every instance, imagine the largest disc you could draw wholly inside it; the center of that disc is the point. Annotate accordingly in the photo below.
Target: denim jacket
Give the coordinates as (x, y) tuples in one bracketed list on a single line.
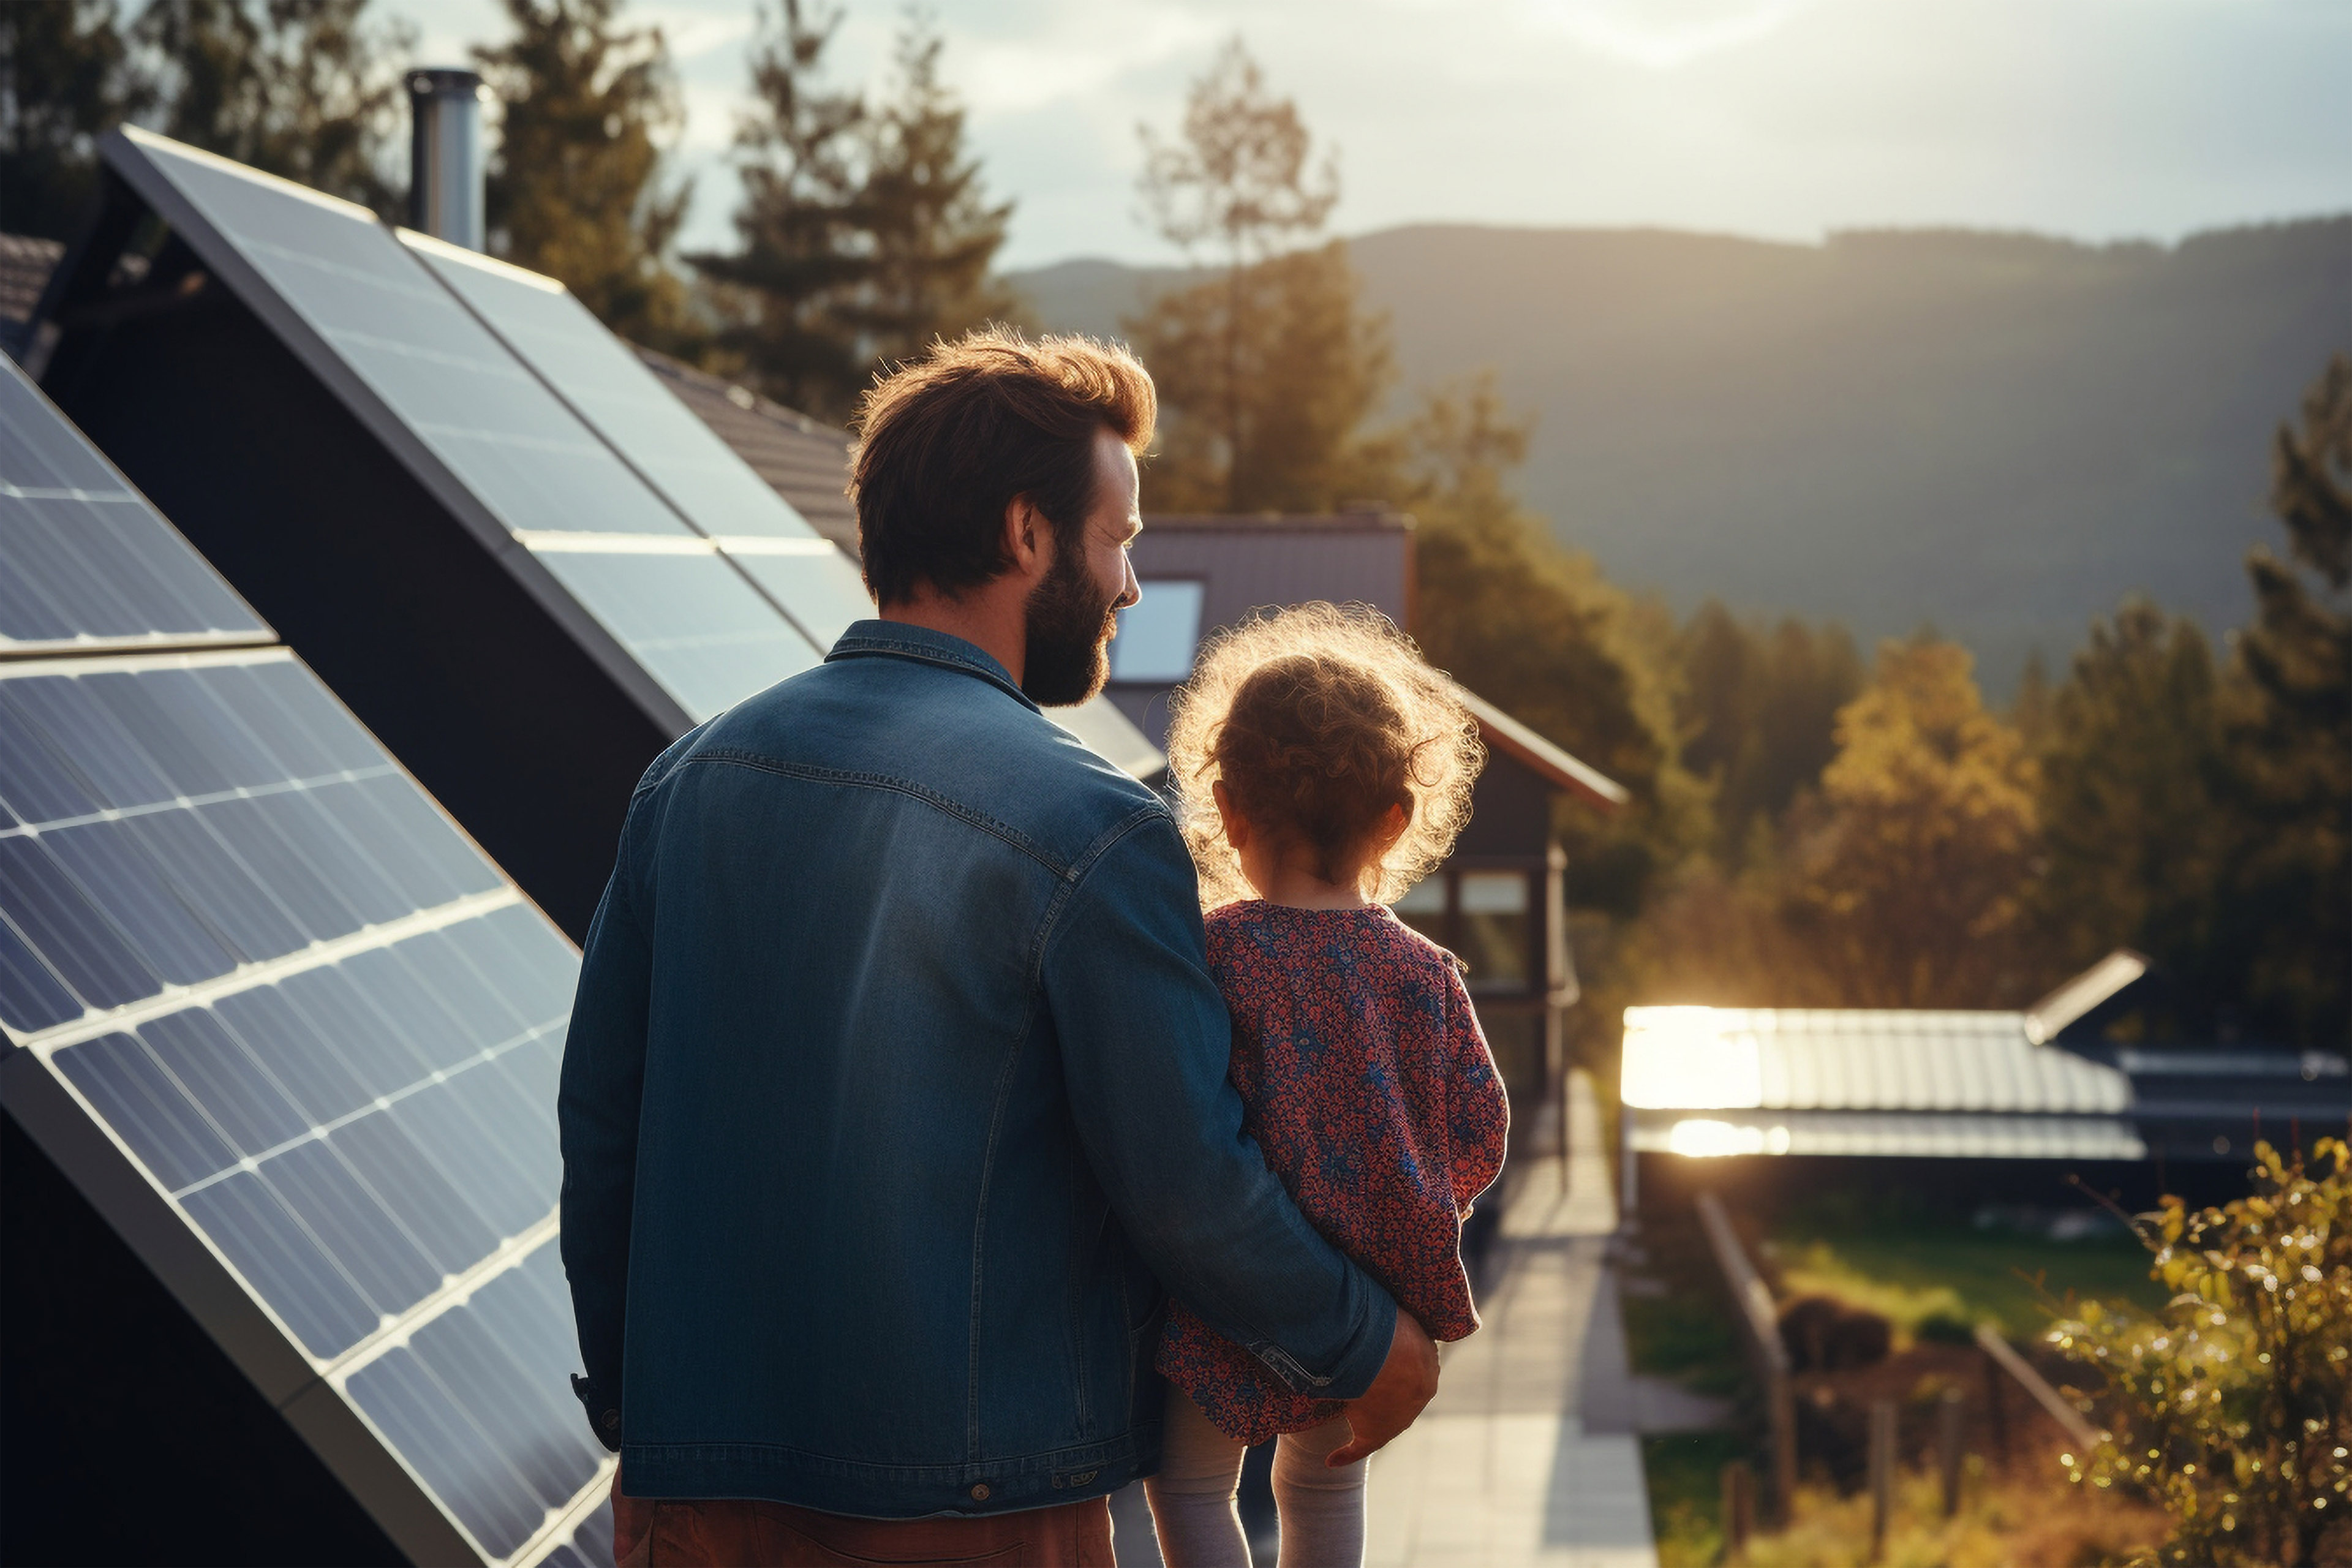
[(895, 1092)]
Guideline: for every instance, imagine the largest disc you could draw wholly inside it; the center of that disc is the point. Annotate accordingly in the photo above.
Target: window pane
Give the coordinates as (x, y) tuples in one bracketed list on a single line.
[(1158, 633), (1496, 933)]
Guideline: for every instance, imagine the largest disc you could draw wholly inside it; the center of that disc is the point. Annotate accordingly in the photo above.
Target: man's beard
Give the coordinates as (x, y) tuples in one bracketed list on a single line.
[(1066, 659)]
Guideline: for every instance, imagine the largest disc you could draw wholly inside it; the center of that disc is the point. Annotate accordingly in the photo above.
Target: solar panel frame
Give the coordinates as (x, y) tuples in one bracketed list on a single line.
[(130, 153)]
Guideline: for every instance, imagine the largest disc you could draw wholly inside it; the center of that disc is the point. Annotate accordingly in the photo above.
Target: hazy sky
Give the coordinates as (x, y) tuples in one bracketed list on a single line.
[(2092, 118)]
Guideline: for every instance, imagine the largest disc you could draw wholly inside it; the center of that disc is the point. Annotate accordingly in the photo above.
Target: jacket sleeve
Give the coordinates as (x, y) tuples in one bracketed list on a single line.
[(596, 1117), (1144, 1039), (1479, 1110)]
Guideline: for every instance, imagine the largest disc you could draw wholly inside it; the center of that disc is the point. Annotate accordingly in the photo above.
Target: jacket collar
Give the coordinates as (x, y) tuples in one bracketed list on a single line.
[(901, 639)]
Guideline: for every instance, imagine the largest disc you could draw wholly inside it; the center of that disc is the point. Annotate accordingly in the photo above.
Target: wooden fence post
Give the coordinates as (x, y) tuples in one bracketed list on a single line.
[(1753, 1301), (2079, 1432), (1739, 1510), (1950, 1448), (1882, 1474)]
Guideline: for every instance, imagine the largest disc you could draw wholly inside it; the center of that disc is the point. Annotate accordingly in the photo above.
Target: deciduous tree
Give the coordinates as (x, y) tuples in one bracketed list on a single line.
[(1268, 371), (1910, 873)]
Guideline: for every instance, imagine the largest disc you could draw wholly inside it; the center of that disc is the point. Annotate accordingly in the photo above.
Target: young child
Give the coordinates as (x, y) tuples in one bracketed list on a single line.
[(1325, 767)]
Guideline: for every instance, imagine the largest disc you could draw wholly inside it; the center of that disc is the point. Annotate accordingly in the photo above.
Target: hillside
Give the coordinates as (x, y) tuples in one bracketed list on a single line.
[(2000, 434)]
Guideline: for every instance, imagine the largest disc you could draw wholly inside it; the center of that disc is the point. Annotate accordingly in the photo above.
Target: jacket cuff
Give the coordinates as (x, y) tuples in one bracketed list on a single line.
[(604, 1415), (1360, 1363)]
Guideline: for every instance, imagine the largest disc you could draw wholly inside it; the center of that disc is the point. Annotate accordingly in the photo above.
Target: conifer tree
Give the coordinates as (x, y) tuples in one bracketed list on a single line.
[(800, 222), (2290, 732), (2134, 831), (1267, 370), (933, 230), (310, 90), (64, 79), (577, 189), (865, 231)]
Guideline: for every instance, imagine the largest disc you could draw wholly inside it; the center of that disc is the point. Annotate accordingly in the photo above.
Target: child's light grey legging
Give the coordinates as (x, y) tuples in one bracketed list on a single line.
[(1200, 1471)]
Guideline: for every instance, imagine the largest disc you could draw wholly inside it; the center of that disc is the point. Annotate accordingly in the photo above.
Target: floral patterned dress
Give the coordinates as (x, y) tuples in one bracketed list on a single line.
[(1370, 1088)]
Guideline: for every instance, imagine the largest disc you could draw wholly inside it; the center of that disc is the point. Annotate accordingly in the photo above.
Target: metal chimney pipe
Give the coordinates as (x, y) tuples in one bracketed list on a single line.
[(446, 160)]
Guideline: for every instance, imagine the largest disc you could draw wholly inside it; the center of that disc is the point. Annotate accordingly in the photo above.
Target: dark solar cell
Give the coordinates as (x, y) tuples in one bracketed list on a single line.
[(277, 1257), (42, 903), (473, 1388), (323, 720), (77, 726), (225, 1080), (83, 560), (399, 828), (488, 1496), (31, 996), (691, 620), (379, 1053), (527, 458), (36, 782), (355, 1229), (453, 1234), (140, 1101), (290, 1048), (398, 992), (201, 868), (253, 835), (494, 1181), (123, 880)]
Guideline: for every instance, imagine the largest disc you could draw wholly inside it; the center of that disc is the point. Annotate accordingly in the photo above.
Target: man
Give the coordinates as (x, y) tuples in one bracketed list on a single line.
[(896, 1086)]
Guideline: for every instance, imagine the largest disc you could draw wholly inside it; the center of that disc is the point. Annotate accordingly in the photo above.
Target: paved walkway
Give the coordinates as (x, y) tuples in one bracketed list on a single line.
[(1528, 1457), (1528, 1454)]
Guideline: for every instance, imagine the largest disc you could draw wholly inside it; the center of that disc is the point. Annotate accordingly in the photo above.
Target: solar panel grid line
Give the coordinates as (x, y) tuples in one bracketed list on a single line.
[(318, 955), (812, 603), (132, 152), (324, 1129)]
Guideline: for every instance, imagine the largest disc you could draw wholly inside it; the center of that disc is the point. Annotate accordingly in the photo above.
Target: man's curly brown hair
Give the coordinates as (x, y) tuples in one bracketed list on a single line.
[(1317, 720)]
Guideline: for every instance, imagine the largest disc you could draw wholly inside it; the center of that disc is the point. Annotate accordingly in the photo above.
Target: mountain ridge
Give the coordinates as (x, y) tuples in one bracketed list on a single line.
[(1998, 432)]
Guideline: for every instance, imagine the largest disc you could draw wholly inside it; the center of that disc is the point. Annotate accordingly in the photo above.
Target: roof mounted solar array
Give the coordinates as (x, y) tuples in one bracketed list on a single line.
[(84, 560), (539, 428), (287, 1029)]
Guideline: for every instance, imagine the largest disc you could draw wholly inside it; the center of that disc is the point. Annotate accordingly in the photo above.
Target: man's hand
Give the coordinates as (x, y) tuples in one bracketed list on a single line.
[(1408, 1381)]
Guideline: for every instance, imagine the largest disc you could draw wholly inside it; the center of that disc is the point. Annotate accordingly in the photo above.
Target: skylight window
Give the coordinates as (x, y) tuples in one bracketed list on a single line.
[(1157, 634)]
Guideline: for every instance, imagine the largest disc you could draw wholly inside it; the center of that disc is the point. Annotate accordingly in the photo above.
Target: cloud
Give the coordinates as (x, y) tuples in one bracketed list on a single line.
[(1665, 33)]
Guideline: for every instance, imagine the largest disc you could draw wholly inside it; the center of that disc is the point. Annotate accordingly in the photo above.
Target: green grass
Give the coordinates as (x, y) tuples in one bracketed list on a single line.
[(1684, 1474), (1914, 1273), (1686, 1332)]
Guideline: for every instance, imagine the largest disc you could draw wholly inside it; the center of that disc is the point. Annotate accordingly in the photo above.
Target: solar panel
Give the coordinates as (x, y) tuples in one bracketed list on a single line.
[(298, 1039), (713, 490), (84, 560), (475, 424)]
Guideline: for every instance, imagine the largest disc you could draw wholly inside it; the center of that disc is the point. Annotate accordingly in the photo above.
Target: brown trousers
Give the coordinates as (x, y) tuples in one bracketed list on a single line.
[(737, 1534)]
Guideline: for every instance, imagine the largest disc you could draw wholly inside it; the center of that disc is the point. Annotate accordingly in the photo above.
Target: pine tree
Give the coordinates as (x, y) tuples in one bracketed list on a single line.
[(1267, 370), (2290, 731), (865, 231), (933, 230), (577, 189), (310, 90), (65, 80), (2134, 832)]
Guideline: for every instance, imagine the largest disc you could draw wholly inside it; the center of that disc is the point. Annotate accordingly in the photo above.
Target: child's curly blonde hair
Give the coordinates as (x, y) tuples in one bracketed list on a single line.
[(1317, 720)]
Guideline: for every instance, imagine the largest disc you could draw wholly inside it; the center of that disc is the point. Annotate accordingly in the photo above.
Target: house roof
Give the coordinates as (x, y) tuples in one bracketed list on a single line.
[(804, 460), (25, 264), (1563, 770)]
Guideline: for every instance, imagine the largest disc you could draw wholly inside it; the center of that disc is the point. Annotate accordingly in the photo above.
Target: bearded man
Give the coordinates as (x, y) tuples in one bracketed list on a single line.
[(896, 1090)]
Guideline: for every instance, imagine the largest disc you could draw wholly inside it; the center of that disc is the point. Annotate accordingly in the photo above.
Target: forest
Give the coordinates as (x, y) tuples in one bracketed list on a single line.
[(1817, 822)]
